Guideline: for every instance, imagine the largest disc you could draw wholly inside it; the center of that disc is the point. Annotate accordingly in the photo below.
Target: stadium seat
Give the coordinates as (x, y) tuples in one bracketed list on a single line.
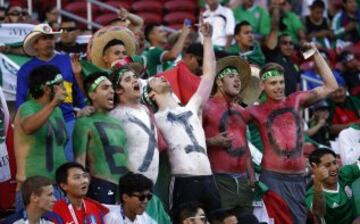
[(120, 3), (184, 5), (80, 9), (148, 6), (105, 19), (178, 17), (150, 17)]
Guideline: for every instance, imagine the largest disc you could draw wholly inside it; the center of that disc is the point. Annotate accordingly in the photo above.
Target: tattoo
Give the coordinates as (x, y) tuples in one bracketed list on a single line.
[(292, 152), (183, 119), (234, 152)]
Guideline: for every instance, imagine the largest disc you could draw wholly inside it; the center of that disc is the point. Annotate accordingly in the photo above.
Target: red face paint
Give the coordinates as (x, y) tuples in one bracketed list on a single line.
[(220, 116)]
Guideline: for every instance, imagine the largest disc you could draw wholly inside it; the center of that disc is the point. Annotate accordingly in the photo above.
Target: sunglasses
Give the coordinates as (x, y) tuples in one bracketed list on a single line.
[(202, 218), (68, 29), (142, 197), (287, 42)]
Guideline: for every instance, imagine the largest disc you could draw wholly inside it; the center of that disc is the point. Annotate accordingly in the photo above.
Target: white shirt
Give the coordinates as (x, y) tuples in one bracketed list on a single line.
[(142, 139), (116, 216), (223, 23), (349, 145), (183, 131)]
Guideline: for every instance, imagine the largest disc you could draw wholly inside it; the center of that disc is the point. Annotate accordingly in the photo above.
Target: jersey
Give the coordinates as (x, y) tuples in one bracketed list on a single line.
[(153, 61), (117, 216), (90, 213), (182, 130), (21, 218), (281, 130), (142, 139), (102, 140), (340, 207), (253, 56), (220, 116), (44, 149)]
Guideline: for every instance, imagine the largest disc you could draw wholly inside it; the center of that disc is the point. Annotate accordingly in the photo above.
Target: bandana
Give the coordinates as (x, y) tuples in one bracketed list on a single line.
[(96, 83), (145, 98), (118, 75), (271, 73), (227, 71)]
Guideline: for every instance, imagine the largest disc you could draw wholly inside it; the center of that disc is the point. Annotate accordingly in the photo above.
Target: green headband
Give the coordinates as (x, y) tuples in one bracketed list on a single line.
[(227, 71), (120, 73), (145, 98), (96, 83), (271, 73), (58, 78)]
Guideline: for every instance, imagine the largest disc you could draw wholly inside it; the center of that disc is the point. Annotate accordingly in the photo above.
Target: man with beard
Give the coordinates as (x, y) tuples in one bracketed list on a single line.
[(99, 140), (75, 207), (40, 133), (181, 126), (280, 125), (224, 123), (331, 197)]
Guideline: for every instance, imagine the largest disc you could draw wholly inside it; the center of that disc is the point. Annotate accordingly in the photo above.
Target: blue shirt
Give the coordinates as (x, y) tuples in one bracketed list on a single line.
[(63, 63), (312, 74)]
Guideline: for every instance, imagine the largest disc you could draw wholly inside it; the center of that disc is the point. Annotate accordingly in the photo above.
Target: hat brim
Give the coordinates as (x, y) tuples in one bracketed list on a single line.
[(240, 65), (103, 36), (31, 38), (252, 90)]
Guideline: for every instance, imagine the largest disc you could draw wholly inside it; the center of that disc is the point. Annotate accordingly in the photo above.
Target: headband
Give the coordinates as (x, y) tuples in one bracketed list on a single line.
[(271, 73), (227, 71), (96, 83)]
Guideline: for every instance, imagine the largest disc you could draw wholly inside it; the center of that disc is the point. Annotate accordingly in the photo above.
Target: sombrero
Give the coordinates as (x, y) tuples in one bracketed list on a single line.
[(239, 64), (38, 30), (103, 36), (250, 94)]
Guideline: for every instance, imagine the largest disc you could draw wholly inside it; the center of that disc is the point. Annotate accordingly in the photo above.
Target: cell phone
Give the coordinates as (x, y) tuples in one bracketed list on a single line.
[(307, 54), (188, 22)]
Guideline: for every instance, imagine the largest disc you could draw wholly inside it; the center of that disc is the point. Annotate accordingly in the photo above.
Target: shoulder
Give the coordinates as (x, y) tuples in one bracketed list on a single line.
[(13, 218)]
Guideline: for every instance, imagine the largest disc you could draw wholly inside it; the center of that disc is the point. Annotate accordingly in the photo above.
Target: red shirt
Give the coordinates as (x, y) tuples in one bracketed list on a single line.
[(281, 130), (219, 116), (92, 211)]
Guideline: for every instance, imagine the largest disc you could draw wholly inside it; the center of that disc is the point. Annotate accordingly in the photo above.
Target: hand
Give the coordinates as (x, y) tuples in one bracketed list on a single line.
[(75, 64), (186, 29), (60, 94), (322, 122), (206, 29), (19, 181), (123, 14), (320, 173), (86, 111), (220, 140)]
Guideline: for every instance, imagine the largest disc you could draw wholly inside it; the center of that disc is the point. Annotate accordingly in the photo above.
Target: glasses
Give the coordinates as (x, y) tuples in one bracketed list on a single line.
[(15, 13), (287, 43), (202, 218), (142, 197), (68, 29)]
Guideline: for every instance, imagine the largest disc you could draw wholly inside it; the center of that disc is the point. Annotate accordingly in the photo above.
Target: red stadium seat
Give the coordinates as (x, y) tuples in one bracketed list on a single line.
[(119, 4), (105, 19), (80, 9), (175, 26), (148, 6), (178, 17), (184, 5), (150, 17)]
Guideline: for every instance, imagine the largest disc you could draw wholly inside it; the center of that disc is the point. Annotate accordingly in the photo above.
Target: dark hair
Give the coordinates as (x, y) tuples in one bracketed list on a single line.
[(317, 4), (148, 29), (186, 210), (39, 76), (115, 79), (68, 20), (90, 79), (62, 173), (218, 216), (33, 185), (271, 66), (316, 155), (240, 25), (134, 182), (111, 43), (196, 49)]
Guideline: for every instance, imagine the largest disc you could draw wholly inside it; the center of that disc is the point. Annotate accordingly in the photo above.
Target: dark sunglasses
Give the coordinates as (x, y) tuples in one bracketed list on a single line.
[(287, 42), (68, 29), (142, 197)]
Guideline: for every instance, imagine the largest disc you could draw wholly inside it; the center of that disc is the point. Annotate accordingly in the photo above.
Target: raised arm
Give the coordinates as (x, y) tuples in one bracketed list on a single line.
[(327, 77), (319, 203), (209, 66), (179, 45)]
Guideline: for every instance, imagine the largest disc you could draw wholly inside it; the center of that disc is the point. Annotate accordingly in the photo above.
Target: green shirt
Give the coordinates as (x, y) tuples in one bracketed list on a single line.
[(293, 24), (153, 61), (46, 145), (340, 207), (256, 16), (254, 56), (102, 139)]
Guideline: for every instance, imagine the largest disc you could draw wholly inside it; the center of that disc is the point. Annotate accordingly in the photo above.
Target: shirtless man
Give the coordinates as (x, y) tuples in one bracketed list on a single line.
[(281, 128)]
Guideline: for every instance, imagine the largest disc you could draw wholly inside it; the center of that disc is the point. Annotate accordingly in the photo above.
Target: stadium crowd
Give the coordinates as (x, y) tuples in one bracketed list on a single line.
[(251, 114)]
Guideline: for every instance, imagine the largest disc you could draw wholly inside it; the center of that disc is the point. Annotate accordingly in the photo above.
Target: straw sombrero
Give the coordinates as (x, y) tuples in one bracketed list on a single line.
[(38, 30), (103, 36), (250, 94), (239, 64)]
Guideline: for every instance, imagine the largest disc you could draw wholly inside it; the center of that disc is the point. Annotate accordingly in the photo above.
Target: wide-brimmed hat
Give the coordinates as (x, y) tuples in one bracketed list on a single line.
[(38, 30), (103, 36), (239, 64), (252, 90)]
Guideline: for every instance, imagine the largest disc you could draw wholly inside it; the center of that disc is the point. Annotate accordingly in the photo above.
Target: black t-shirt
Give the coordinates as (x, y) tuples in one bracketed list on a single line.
[(292, 74), (312, 27), (352, 79)]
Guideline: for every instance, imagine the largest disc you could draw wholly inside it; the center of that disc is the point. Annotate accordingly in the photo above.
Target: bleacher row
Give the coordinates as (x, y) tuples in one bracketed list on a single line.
[(168, 12)]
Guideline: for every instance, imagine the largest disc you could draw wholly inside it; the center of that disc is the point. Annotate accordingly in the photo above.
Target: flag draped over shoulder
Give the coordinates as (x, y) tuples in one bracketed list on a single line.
[(182, 81)]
